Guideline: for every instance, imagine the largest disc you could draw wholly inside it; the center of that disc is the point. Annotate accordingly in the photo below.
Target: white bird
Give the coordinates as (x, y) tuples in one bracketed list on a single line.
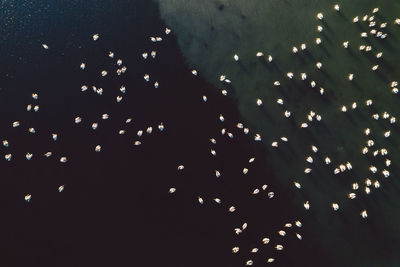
[(45, 46), (213, 152), (304, 125), (28, 197), (352, 195), (335, 206), (82, 66), (60, 188), (95, 37), (172, 190), (257, 137), (264, 187), (8, 157), (217, 200), (254, 250), (364, 214), (336, 7), (29, 156), (282, 233), (97, 148), (298, 185)]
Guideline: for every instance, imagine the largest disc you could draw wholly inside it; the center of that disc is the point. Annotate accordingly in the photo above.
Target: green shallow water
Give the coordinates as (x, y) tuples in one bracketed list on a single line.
[(211, 32)]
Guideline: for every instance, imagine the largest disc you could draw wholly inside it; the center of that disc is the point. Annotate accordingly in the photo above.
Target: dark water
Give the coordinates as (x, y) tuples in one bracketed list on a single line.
[(115, 210)]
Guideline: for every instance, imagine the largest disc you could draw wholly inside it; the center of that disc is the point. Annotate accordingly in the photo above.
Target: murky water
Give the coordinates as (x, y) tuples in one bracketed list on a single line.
[(211, 32)]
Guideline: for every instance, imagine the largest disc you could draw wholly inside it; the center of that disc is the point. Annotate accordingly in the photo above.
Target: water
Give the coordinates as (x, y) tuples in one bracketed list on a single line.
[(211, 32), (115, 208)]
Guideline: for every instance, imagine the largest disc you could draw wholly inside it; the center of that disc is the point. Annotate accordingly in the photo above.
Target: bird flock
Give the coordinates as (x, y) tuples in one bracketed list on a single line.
[(374, 149)]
